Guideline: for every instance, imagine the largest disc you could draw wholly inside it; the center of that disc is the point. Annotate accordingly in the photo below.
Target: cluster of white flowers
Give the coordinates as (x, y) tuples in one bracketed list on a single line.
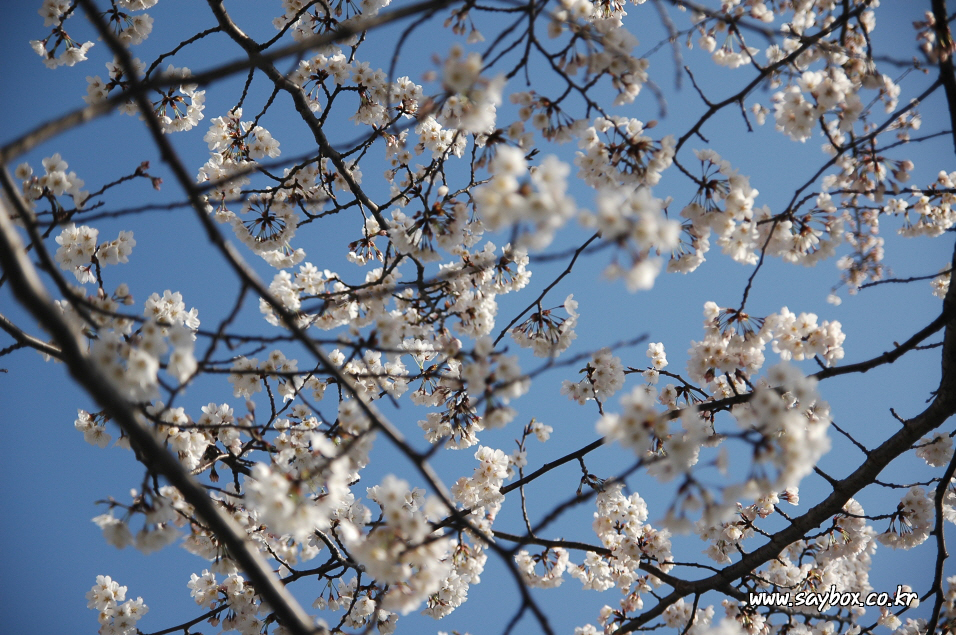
[(78, 251), (93, 428), (115, 618), (831, 96), (800, 337), (472, 100), (304, 20), (554, 562), (496, 377), (505, 201), (738, 345), (312, 73), (70, 55), (682, 615), (481, 493), (601, 23), (655, 351), (267, 224), (177, 429), (104, 312), (932, 212), (219, 421), (98, 90), (136, 5), (372, 377), (115, 531), (438, 140), (806, 240), (374, 89), (284, 504), (734, 342), (310, 282), (240, 140), (546, 334), (638, 423), (540, 430), (182, 361), (443, 225), (726, 536), (636, 219), (840, 556), (620, 523), (724, 205), (361, 607), (937, 451), (248, 373), (204, 589), (131, 29), (56, 181), (174, 114), (728, 55), (74, 255), (795, 115), (793, 423), (545, 116), (832, 91), (161, 515), (594, 573), (603, 377), (458, 383), (116, 251), (132, 360), (55, 13), (229, 153), (468, 562), (377, 95), (137, 377), (473, 284), (170, 310), (850, 535), (268, 220), (624, 156), (912, 522), (403, 552), (244, 605), (680, 451)]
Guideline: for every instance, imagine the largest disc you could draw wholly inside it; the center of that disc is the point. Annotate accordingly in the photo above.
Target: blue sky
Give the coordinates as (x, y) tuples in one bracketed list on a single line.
[(51, 479)]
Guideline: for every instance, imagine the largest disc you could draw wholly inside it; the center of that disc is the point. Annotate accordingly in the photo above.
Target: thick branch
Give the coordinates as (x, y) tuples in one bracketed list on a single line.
[(29, 290), (28, 340), (942, 407)]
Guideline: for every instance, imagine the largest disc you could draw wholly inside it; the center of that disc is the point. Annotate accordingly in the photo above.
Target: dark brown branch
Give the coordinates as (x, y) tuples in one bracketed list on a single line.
[(940, 409), (941, 553), (24, 339)]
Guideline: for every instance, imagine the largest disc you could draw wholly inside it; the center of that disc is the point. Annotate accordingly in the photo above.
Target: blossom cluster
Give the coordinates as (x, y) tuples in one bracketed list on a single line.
[(403, 551), (620, 524), (603, 377), (162, 513), (735, 341), (505, 201), (545, 334), (116, 616), (56, 181), (481, 492)]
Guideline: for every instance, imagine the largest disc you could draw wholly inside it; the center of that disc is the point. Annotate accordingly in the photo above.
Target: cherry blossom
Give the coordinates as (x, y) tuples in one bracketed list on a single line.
[(415, 250)]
